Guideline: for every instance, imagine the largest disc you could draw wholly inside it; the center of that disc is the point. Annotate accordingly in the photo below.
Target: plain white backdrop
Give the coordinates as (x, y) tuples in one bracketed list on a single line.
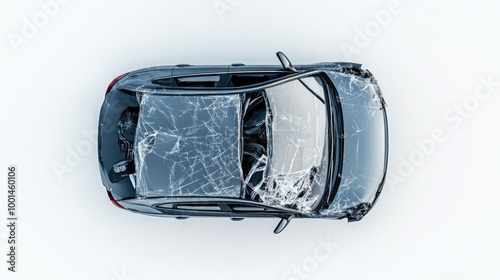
[(437, 63)]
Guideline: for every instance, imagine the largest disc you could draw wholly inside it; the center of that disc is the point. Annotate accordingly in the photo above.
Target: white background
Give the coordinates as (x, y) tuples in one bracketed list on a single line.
[(440, 221)]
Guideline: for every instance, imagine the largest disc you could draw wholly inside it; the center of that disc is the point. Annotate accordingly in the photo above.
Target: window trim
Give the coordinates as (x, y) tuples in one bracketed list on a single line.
[(224, 80), (199, 79), (202, 207)]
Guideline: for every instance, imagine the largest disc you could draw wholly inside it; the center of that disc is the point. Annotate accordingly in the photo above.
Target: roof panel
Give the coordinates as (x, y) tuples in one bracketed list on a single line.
[(188, 146)]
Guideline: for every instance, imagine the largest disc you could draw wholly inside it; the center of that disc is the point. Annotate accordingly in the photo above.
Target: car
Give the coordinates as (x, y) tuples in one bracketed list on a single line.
[(244, 141)]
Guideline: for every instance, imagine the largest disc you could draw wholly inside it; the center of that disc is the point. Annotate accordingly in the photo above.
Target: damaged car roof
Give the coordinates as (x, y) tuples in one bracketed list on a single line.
[(188, 146)]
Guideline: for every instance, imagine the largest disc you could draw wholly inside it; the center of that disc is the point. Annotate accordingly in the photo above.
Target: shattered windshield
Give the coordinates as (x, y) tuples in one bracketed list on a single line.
[(292, 170)]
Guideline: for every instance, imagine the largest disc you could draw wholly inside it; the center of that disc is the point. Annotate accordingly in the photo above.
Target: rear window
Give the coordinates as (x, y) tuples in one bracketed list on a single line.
[(199, 206), (198, 81), (247, 79), (206, 81), (167, 82)]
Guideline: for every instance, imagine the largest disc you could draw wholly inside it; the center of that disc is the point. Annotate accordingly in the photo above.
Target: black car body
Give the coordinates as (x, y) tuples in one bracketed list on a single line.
[(239, 141)]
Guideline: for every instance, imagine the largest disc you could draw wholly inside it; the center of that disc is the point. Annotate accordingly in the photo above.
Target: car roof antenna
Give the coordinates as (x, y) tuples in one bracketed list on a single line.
[(285, 61)]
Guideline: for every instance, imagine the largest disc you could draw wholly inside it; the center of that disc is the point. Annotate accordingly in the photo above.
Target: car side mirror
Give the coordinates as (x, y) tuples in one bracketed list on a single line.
[(285, 62), (282, 224)]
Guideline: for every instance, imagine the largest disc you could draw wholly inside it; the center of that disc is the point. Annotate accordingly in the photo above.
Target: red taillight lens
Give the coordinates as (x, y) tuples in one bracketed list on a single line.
[(114, 201), (114, 81)]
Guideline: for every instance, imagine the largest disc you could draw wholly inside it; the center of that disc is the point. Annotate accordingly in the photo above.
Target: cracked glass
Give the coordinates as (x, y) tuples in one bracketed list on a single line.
[(364, 138), (295, 166), (188, 146), (268, 146)]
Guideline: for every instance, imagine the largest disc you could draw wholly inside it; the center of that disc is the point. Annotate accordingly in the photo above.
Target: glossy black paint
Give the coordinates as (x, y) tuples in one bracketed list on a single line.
[(349, 105)]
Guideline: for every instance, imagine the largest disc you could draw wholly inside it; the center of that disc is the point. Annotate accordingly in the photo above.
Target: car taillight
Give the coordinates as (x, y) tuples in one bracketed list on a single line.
[(114, 201), (114, 81)]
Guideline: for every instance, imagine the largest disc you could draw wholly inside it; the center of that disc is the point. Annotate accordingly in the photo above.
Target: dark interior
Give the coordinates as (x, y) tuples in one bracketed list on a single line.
[(247, 79), (254, 141), (127, 126)]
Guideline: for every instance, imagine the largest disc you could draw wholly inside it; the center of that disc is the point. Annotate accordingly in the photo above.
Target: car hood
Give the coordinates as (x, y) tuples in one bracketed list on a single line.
[(365, 144)]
